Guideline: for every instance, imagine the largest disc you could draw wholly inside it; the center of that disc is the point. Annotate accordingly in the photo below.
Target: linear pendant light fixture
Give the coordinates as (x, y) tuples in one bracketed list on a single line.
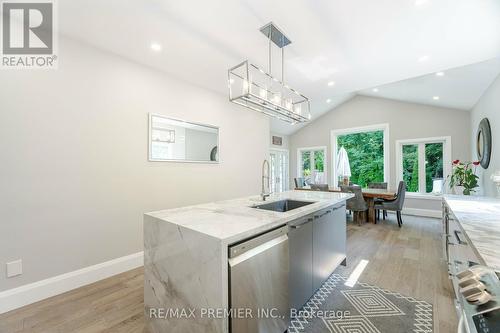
[(258, 90)]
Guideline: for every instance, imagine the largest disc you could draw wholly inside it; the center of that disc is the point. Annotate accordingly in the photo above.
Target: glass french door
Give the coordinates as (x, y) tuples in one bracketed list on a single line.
[(279, 170)]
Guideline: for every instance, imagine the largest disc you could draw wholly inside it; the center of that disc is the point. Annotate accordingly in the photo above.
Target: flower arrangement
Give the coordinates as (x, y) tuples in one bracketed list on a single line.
[(464, 174)]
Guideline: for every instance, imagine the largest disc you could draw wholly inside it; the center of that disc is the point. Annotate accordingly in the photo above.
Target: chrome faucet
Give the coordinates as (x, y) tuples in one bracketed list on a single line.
[(265, 176)]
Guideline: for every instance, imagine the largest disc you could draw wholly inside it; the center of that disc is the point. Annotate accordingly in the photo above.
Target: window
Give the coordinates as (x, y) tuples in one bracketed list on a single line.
[(312, 164), (367, 150), (421, 164), (279, 170)]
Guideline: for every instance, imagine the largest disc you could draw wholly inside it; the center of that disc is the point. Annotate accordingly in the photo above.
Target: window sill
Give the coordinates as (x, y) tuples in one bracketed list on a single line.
[(424, 196)]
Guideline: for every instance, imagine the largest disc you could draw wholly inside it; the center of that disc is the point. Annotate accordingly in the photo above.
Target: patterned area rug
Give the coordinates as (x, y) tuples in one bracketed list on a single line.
[(363, 308)]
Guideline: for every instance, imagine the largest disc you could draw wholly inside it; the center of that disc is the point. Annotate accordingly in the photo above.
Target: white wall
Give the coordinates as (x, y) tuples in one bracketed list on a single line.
[(406, 121), (488, 107), (74, 174)]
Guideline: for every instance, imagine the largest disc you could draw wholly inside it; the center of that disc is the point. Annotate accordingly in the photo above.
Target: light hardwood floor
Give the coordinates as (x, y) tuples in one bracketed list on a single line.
[(406, 260)]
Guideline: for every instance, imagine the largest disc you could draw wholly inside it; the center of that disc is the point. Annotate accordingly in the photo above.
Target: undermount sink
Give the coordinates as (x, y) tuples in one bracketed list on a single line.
[(283, 205)]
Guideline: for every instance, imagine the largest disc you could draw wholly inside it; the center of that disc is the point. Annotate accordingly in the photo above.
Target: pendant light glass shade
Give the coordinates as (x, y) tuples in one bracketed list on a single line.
[(258, 90)]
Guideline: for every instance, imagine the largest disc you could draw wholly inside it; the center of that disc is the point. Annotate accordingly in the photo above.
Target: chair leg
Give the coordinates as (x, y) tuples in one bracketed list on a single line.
[(384, 214), (398, 214), (378, 216)]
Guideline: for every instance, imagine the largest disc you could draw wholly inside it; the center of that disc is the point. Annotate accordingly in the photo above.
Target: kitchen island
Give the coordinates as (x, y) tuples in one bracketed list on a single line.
[(186, 254), (471, 238), (478, 219)]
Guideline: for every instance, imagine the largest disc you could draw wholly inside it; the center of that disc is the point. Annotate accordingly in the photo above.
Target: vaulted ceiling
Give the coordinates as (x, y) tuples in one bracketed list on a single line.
[(457, 88), (356, 44)]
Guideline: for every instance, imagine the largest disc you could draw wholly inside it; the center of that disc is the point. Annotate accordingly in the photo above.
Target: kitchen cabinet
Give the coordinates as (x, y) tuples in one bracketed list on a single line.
[(301, 269), (329, 243), (317, 247)]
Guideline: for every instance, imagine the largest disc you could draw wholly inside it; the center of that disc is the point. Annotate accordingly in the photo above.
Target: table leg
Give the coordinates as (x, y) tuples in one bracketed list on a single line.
[(371, 210)]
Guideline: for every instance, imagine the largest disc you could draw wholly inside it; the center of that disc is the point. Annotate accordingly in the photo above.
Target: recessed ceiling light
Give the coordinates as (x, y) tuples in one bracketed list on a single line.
[(328, 100), (331, 83), (375, 89), (156, 47), (436, 98), (440, 74), (423, 58)]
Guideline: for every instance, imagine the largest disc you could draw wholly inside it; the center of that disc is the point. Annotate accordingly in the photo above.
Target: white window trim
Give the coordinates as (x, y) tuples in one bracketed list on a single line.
[(371, 128), (446, 166), (325, 159), (287, 177)]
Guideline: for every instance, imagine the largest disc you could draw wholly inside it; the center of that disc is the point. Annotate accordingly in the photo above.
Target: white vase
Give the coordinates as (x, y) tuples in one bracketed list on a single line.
[(458, 189), (498, 189)]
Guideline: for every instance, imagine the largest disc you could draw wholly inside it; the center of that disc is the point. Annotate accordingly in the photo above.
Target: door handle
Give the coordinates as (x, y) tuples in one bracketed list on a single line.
[(321, 215), (297, 226), (335, 208)]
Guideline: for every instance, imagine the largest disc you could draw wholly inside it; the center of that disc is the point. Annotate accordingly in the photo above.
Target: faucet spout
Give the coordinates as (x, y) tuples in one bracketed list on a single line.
[(266, 181)]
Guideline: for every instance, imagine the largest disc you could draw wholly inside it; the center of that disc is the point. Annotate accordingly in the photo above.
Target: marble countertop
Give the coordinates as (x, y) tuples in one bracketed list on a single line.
[(480, 219), (233, 220)]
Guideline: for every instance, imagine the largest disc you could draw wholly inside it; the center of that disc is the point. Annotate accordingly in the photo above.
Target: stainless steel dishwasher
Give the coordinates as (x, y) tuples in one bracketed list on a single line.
[(258, 283)]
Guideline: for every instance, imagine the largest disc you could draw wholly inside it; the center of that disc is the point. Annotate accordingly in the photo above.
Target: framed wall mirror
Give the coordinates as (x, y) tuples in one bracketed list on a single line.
[(175, 140), (483, 143)]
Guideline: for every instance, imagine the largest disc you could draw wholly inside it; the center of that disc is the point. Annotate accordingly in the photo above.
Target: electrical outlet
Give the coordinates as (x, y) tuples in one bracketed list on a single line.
[(14, 268)]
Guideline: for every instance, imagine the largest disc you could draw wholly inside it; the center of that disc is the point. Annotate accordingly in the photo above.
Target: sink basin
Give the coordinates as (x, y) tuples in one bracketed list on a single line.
[(283, 205)]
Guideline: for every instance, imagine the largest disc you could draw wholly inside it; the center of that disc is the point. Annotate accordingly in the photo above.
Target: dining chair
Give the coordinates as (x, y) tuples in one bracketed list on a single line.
[(378, 185), (299, 182), (395, 205), (382, 186), (320, 187), (341, 183), (357, 204)]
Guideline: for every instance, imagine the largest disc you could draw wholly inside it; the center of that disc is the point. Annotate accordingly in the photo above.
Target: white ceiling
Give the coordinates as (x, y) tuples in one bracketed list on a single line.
[(457, 88), (357, 43)]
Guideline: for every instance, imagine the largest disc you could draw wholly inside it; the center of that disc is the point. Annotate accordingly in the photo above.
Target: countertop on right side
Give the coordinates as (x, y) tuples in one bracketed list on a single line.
[(479, 217)]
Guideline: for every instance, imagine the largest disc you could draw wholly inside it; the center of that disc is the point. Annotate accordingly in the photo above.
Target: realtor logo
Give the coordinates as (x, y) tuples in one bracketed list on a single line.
[(28, 34)]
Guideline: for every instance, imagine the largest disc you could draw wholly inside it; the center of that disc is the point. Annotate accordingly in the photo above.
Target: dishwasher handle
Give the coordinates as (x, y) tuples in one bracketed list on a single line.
[(323, 214), (297, 226), (259, 243)]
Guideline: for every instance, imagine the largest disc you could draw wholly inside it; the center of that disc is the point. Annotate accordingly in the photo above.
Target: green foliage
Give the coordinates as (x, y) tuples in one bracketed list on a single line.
[(463, 175), (306, 163), (366, 156), (410, 167), (319, 158), (434, 166)]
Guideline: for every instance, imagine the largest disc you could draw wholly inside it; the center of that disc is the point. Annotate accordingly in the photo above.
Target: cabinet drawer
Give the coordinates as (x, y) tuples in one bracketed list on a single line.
[(458, 247)]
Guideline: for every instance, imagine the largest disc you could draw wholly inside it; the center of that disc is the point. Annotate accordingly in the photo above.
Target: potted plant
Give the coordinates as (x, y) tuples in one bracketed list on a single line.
[(463, 179)]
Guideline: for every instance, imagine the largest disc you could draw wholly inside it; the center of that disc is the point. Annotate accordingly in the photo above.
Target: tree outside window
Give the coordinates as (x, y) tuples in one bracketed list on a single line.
[(422, 164), (366, 156), (312, 165)]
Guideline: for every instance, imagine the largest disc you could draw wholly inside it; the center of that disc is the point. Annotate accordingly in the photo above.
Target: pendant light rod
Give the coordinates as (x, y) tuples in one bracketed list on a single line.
[(283, 65), (270, 55), (276, 36)]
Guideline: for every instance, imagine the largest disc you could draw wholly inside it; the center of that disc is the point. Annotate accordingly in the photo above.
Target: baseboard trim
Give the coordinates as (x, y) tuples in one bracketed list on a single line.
[(30, 293), (422, 212)]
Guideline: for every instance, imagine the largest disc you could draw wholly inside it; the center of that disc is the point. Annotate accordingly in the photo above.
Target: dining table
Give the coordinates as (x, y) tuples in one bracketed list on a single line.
[(369, 194)]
